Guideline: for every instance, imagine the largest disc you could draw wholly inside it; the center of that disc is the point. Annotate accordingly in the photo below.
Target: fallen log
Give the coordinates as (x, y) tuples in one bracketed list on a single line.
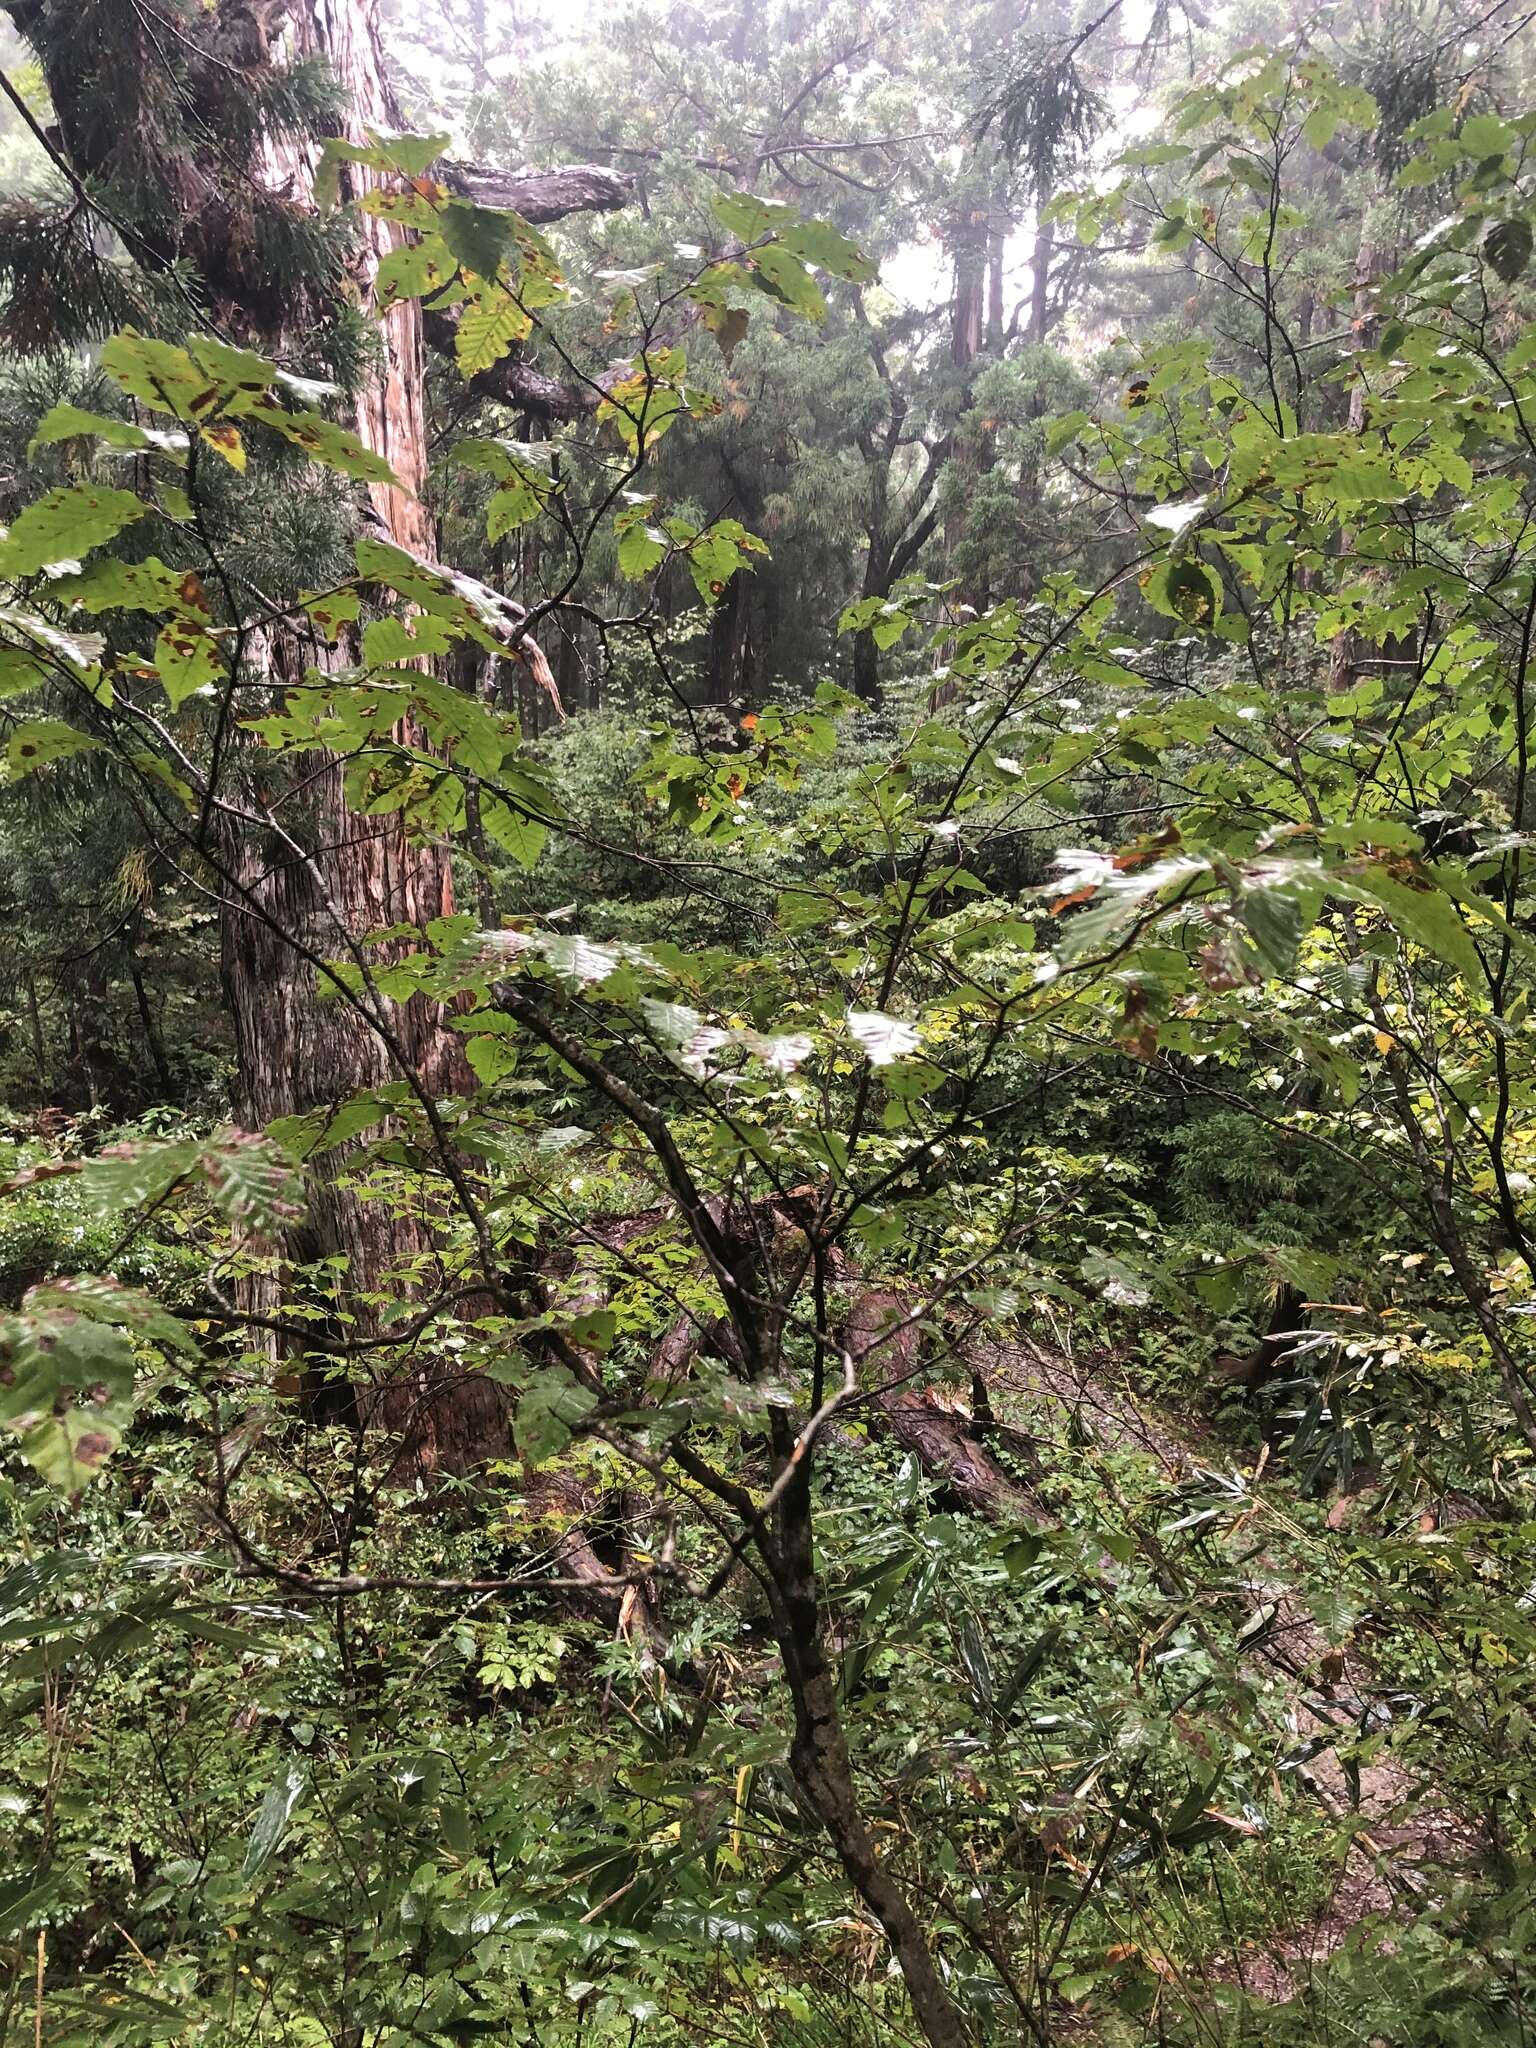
[(934, 1425)]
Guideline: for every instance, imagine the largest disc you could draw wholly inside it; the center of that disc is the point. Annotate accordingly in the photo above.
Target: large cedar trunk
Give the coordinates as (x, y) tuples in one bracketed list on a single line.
[(299, 1048)]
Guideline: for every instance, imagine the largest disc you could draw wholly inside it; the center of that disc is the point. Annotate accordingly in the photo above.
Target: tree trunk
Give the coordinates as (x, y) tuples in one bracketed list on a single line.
[(35, 1027), (970, 243), (1039, 287), (877, 583), (823, 1771), (997, 244), (727, 680), (299, 1049), (1347, 656), (153, 1042)]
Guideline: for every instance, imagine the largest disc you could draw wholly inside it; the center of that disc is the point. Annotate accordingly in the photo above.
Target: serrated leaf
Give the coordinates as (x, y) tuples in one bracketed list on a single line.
[(80, 651), (819, 242), (490, 326), (478, 238), (69, 422), (642, 547), (225, 441), (159, 374), (1485, 135), (187, 660), (110, 585), (66, 1391), (552, 1405), (331, 610), (411, 155), (240, 371), (42, 741), (780, 273), (744, 214), (1183, 590), (1507, 248), (413, 269), (1320, 126), (326, 442), (729, 325), (523, 837), (1423, 914), (65, 525), (390, 640), (579, 959), (1174, 518)]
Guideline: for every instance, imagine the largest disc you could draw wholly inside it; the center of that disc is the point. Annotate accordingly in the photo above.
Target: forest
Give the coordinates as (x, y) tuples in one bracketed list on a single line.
[(767, 1181)]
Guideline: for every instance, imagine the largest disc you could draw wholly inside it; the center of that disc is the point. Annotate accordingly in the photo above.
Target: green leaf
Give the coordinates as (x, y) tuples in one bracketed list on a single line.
[(1183, 590), (187, 659), (410, 155), (1154, 153), (127, 1176), (25, 1897), (159, 374), (82, 651), (490, 326), (524, 486), (479, 239), (277, 1810), (1485, 135), (1320, 126), (523, 837), (594, 1331), (413, 269), (65, 526), (552, 1405), (1061, 433), (715, 555), (743, 214), (147, 586), (108, 1301), (778, 272), (819, 242), (44, 740), (391, 640), (66, 1391), (331, 610), (1507, 248), (642, 547), (1422, 913), (68, 423), (1275, 922)]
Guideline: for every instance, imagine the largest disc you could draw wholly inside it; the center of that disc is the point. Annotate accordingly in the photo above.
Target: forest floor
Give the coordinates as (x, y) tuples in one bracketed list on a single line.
[(1402, 1840)]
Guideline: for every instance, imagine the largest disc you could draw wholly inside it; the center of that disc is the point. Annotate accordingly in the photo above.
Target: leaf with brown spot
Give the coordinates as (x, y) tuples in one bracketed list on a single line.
[(225, 440)]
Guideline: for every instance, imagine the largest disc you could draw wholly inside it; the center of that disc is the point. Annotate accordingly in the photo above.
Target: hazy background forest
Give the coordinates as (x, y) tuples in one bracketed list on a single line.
[(766, 1041)]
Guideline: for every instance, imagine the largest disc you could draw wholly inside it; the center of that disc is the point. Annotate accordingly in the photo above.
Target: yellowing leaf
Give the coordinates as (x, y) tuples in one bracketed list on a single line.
[(490, 326), (225, 440)]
